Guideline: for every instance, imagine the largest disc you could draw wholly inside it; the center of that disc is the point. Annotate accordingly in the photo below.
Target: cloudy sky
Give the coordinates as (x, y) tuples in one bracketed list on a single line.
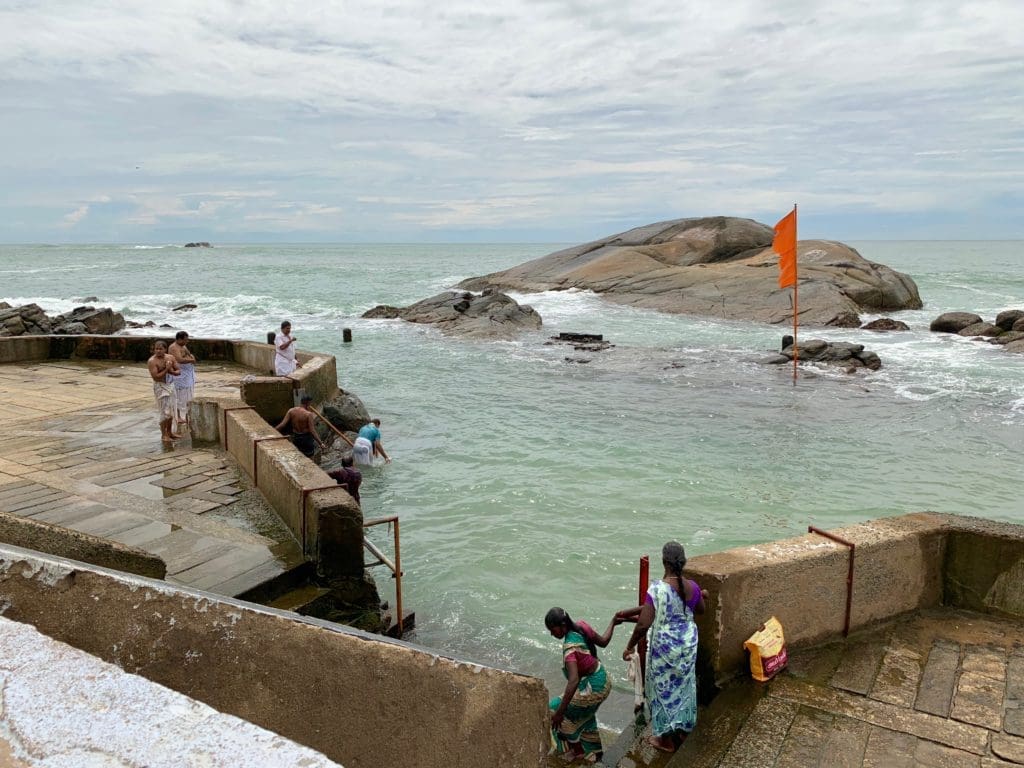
[(507, 120)]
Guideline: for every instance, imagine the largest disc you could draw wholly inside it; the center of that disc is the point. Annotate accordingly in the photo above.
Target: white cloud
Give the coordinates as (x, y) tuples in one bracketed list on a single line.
[(462, 116)]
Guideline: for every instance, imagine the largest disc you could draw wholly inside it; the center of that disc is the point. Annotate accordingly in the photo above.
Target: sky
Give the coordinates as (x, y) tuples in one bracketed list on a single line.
[(507, 120)]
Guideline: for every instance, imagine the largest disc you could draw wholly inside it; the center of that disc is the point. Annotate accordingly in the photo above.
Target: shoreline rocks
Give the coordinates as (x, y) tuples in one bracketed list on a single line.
[(489, 314), (720, 267), (1007, 330), (844, 353), (31, 320)]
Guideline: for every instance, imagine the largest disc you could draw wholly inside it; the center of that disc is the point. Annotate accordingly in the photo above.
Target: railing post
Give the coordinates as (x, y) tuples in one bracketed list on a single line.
[(398, 578)]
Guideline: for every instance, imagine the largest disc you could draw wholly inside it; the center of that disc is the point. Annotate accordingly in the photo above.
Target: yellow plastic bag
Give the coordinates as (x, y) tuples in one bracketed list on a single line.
[(767, 649)]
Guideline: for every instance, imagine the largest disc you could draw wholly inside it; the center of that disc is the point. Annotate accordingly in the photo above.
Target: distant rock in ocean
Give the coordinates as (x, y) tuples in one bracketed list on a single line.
[(487, 315), (718, 266), (200, 244)]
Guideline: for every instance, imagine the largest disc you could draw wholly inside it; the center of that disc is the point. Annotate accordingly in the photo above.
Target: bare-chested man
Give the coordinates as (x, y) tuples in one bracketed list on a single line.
[(304, 435), (184, 382), (160, 366)]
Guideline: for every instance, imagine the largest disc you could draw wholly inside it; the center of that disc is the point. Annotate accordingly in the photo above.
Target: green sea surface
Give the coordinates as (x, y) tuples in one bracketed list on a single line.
[(524, 480)]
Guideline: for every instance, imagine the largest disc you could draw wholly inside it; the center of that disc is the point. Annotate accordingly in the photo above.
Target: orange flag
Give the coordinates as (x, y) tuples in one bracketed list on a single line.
[(784, 244)]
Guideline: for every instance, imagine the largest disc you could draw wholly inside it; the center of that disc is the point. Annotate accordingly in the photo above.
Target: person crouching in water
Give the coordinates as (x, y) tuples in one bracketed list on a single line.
[(368, 444), (574, 713), (304, 436), (671, 681)]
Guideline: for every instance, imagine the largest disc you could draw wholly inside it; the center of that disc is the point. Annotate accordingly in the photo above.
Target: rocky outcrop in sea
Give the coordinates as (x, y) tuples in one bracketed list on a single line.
[(718, 266), (30, 319), (489, 314), (1006, 330)]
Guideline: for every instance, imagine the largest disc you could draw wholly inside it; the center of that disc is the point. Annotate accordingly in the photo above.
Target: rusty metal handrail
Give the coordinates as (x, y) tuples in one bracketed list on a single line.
[(395, 567), (849, 573)]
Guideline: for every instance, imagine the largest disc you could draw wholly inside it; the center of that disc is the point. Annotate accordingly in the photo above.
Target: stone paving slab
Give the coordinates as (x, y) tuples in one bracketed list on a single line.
[(942, 688), (92, 460)]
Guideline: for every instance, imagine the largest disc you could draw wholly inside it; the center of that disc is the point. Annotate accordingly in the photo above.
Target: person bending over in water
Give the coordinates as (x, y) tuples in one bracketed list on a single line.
[(161, 366), (574, 713), (304, 436)]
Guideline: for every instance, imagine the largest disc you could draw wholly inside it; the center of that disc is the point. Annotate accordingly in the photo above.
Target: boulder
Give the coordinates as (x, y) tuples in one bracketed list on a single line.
[(73, 329), (346, 412), (1015, 346), (953, 322), (26, 319), (718, 266), (1006, 320), (101, 321), (490, 314), (199, 244), (1007, 338), (1018, 325), (885, 324), (88, 299), (980, 329), (184, 308), (844, 353)]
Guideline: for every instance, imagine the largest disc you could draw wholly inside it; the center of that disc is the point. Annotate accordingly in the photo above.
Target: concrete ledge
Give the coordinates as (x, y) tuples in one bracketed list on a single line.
[(984, 567), (54, 539), (802, 581), (23, 349), (328, 687), (63, 706)]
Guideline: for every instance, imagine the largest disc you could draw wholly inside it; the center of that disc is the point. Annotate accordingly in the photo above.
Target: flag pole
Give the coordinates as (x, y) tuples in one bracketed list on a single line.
[(796, 282)]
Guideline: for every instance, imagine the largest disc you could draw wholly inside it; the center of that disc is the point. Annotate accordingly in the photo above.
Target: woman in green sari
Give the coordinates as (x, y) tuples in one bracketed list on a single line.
[(574, 713)]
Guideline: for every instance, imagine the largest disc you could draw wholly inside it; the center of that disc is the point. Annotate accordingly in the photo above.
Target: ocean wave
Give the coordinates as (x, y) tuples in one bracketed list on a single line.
[(155, 247)]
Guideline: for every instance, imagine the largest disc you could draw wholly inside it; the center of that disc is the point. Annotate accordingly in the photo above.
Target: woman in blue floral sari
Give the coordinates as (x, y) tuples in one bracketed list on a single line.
[(670, 687), (574, 713)]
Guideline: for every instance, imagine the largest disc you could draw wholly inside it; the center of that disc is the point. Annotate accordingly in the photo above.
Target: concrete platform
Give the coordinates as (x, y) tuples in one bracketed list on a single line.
[(80, 447), (941, 688), (62, 706)]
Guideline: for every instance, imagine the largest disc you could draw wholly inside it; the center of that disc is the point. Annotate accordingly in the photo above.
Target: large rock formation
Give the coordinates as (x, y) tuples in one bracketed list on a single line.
[(719, 266), (491, 314)]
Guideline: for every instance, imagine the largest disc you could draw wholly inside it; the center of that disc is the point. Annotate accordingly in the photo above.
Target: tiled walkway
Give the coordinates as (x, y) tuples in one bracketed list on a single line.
[(80, 447), (943, 688)]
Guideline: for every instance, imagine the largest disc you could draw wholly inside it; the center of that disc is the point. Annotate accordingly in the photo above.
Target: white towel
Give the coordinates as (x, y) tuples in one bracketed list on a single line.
[(633, 673)]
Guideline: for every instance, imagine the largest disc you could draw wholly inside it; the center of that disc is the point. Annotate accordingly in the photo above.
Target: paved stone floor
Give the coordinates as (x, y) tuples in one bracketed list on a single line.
[(80, 447), (943, 688)]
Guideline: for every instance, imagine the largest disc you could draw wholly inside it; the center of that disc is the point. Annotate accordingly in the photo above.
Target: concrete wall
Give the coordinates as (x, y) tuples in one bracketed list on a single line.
[(20, 349), (360, 699), (802, 581), (984, 567), (270, 396), (54, 539)]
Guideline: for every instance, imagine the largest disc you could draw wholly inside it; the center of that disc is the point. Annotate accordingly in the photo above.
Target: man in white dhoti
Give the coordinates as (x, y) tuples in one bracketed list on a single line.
[(284, 351), (184, 382), (161, 365)]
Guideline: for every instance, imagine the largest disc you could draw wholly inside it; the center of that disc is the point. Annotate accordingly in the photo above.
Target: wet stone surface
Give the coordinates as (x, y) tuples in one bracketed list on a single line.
[(943, 687), (80, 447)]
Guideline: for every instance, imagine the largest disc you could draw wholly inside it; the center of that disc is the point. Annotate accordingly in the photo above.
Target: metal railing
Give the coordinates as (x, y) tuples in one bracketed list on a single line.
[(382, 559)]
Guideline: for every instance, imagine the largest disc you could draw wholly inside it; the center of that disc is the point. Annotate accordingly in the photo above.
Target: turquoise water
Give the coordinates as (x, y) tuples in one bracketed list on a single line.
[(524, 481)]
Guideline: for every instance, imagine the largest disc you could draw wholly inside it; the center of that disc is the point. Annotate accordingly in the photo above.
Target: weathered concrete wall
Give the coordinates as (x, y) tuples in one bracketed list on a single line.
[(360, 699), (259, 357), (318, 376), (270, 396), (63, 706), (984, 568), (802, 581), (20, 349), (53, 539)]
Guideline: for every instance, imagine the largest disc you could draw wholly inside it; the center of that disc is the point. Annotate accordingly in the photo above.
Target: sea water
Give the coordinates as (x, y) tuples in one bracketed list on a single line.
[(525, 478)]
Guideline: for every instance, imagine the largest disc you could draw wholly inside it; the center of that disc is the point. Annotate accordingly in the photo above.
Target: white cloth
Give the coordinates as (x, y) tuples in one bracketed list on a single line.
[(163, 391), (284, 359), (362, 451), (184, 389), (633, 673)]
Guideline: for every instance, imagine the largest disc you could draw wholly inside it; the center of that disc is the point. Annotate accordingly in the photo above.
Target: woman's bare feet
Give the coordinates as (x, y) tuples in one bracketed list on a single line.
[(662, 744)]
